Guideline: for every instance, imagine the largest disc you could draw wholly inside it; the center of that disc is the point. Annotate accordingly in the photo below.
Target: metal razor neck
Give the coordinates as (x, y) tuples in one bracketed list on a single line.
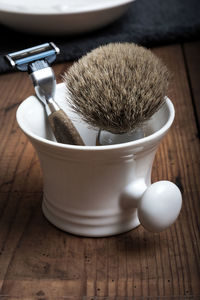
[(37, 65), (51, 107), (44, 82)]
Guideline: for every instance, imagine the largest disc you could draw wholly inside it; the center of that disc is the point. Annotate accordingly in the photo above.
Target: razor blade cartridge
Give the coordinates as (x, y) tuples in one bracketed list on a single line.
[(23, 58)]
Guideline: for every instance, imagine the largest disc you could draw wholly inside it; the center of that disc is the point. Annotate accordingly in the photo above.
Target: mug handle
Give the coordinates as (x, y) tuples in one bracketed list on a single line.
[(158, 204)]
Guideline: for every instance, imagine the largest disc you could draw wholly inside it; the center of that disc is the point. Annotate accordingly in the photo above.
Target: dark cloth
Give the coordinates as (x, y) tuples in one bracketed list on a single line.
[(147, 22)]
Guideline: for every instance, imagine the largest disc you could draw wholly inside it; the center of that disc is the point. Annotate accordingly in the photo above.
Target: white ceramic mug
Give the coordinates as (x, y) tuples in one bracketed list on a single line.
[(101, 190)]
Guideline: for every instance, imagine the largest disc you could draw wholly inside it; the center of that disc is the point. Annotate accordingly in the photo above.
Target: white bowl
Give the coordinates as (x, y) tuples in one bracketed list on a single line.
[(60, 17)]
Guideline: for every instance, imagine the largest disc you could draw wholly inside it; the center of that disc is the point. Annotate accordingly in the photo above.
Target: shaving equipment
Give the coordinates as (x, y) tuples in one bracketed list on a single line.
[(117, 88), (36, 61)]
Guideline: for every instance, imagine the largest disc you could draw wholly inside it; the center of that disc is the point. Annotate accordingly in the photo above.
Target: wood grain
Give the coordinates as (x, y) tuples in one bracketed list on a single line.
[(38, 261), (63, 129)]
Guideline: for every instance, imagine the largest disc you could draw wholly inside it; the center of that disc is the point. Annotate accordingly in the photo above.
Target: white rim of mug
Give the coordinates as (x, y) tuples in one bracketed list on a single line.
[(139, 142)]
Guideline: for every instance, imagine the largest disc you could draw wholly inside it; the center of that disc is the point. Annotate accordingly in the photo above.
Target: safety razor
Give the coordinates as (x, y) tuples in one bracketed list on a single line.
[(36, 61)]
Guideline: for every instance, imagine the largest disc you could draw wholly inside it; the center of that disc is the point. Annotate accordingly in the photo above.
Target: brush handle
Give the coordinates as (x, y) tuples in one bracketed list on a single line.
[(63, 129)]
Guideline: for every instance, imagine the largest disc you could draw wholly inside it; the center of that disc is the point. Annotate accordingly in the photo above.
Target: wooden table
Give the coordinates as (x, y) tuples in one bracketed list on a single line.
[(39, 261)]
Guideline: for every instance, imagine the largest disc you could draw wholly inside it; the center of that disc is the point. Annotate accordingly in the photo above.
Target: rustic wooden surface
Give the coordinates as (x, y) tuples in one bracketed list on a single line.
[(38, 261)]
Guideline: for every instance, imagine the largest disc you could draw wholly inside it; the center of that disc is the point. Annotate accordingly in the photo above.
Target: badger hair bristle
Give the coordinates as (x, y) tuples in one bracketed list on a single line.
[(117, 87)]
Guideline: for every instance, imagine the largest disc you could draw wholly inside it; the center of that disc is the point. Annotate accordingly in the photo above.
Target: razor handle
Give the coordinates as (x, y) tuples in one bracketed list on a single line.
[(36, 61), (44, 81), (62, 126)]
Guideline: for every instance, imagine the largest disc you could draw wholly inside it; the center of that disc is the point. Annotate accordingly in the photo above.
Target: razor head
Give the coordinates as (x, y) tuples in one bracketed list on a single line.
[(23, 58)]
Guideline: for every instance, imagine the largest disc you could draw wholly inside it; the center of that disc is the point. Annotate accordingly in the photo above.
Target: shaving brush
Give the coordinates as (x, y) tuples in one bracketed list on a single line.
[(117, 87)]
